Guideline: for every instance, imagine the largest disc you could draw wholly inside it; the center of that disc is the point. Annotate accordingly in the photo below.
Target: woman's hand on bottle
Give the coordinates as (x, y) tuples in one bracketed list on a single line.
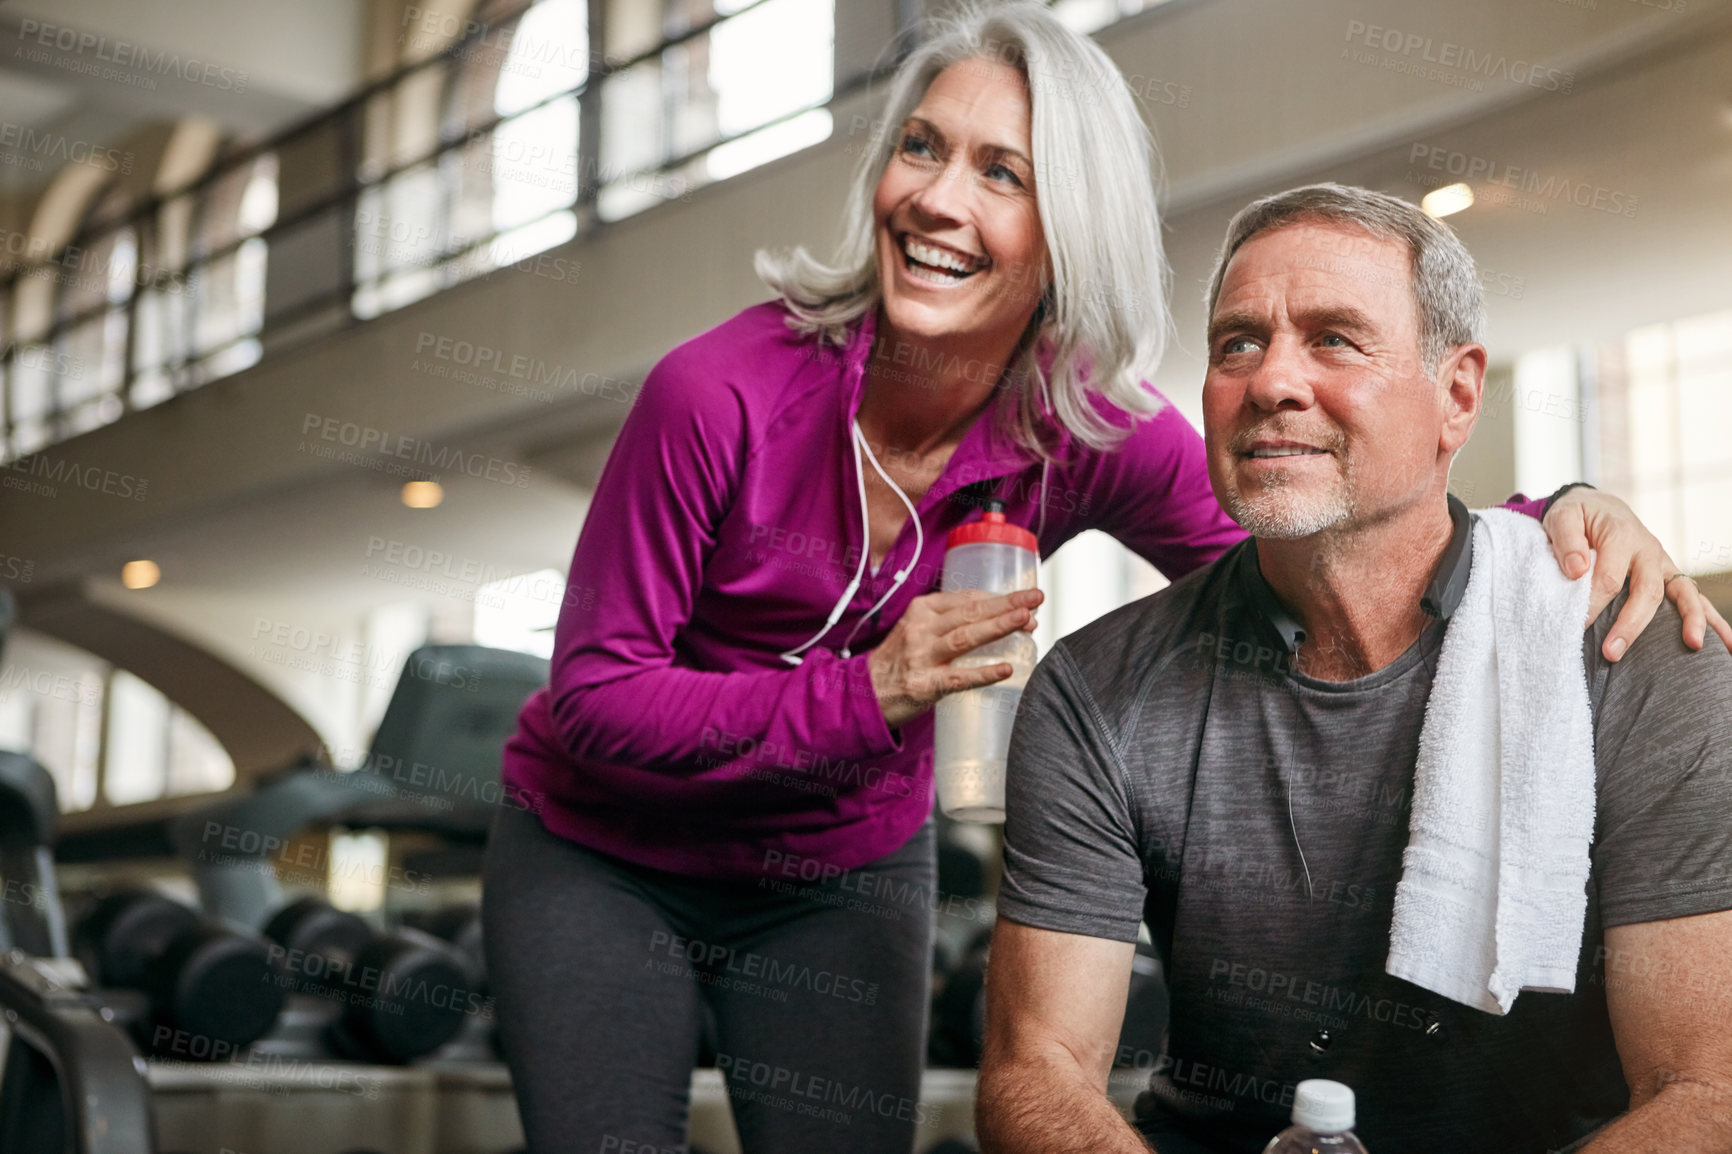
[(913, 667)]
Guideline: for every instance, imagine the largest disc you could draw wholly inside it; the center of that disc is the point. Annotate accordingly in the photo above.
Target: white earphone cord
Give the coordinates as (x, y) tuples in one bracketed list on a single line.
[(913, 515), (792, 656)]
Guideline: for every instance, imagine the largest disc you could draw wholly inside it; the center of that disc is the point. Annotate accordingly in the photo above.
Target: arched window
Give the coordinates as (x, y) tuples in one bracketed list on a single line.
[(94, 280), (226, 284), (507, 190), (106, 736), (744, 83)]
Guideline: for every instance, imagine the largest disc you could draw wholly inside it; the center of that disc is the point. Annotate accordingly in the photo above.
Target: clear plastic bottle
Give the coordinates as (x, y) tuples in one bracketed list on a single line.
[(972, 731), (1322, 1121)]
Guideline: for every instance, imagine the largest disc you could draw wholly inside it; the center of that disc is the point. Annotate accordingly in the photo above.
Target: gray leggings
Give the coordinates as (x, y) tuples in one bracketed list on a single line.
[(819, 989)]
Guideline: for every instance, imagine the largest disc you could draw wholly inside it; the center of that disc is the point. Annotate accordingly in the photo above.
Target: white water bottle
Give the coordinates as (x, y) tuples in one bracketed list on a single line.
[(972, 733), (1322, 1121)]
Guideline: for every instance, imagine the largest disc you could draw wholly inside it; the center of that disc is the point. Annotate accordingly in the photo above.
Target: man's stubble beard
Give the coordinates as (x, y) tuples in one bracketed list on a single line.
[(1277, 514)]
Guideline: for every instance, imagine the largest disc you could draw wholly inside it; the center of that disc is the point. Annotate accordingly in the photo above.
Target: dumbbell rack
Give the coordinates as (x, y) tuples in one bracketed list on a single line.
[(121, 1103), (106, 1103)]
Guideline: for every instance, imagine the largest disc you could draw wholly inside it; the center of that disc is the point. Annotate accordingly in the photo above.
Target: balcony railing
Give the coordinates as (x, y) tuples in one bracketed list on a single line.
[(502, 137)]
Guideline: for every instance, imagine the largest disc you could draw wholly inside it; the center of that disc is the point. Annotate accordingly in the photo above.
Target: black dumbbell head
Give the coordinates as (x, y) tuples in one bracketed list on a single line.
[(213, 982), (461, 926), (124, 932), (314, 926), (408, 994)]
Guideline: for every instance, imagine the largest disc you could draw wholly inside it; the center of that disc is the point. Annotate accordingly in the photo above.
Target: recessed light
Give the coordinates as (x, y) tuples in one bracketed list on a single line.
[(1445, 201), (423, 494), (140, 574)]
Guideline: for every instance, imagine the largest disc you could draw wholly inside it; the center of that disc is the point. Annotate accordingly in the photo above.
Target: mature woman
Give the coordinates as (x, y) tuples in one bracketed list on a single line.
[(735, 749)]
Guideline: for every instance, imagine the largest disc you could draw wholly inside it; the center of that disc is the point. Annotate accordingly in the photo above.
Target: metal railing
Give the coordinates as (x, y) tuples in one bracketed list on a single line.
[(314, 275), (334, 171)]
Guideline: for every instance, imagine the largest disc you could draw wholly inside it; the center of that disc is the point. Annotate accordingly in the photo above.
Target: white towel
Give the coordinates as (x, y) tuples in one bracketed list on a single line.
[(1493, 889)]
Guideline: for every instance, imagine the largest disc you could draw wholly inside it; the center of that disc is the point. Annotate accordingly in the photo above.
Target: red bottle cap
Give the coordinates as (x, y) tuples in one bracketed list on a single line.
[(992, 527)]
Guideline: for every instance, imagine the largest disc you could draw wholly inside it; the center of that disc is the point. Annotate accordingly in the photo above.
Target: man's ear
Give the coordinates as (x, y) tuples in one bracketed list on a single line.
[(1461, 384)]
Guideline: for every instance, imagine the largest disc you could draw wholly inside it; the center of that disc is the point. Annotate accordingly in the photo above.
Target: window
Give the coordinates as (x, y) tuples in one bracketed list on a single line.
[(507, 188), (228, 287), (520, 612), (1093, 15), (87, 366), (749, 83), (1661, 436), (104, 735)]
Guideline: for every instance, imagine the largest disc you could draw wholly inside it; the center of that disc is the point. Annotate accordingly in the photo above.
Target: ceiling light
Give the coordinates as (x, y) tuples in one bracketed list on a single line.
[(423, 494), (1451, 198), (140, 574)]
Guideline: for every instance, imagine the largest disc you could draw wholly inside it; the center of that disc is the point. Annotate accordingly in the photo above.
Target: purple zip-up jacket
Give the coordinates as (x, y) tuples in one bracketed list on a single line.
[(724, 528)]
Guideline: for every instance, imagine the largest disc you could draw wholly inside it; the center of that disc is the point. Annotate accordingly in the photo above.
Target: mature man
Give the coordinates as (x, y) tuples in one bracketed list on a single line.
[(1231, 761)]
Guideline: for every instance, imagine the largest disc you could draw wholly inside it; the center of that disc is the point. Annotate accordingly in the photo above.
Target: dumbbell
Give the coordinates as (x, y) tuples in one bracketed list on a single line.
[(204, 991), (966, 859), (461, 926), (1143, 1035), (959, 1009), (390, 997), (478, 1040)]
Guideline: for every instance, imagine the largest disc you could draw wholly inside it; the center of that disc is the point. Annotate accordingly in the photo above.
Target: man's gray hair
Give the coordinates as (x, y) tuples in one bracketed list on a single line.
[(1443, 277)]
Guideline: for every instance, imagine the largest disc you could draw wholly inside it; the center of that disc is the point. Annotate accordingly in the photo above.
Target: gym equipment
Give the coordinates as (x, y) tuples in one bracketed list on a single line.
[(959, 1009), (461, 926), (958, 1021), (478, 1040), (388, 997), (31, 917), (1143, 1036), (433, 766), (72, 1080), (208, 990)]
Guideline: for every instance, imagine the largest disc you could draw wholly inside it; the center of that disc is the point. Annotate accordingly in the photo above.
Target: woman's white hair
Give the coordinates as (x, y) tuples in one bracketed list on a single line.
[(1104, 317)]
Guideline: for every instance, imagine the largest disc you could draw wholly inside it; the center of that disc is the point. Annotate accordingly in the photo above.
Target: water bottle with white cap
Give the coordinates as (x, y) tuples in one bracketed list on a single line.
[(1322, 1121), (972, 731)]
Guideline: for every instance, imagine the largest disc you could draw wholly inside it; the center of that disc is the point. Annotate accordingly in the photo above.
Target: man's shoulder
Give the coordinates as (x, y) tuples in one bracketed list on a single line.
[(1117, 650), (1663, 756), (1658, 661)]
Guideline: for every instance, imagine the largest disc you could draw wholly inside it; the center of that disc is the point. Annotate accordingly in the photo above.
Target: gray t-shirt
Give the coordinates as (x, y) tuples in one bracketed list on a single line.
[(1169, 765)]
